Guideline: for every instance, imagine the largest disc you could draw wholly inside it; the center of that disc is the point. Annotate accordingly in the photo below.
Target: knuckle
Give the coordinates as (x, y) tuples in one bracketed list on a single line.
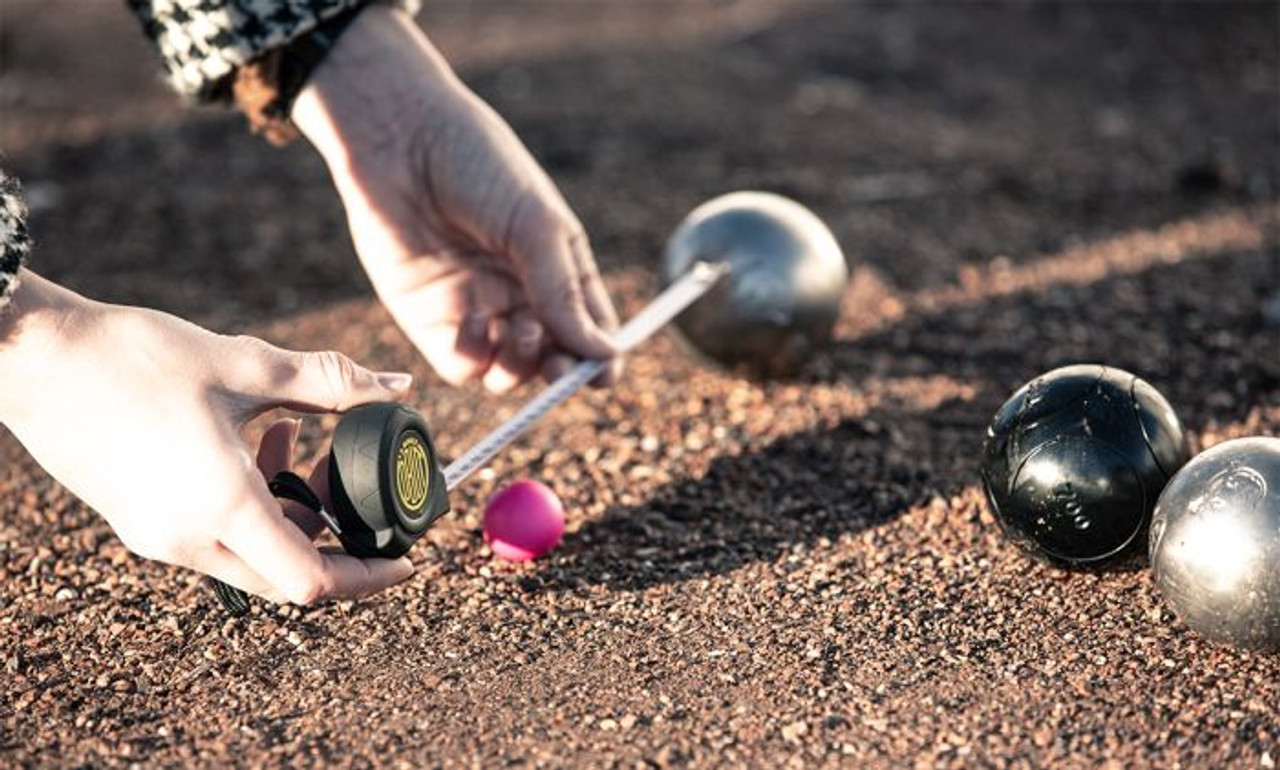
[(337, 371), (535, 213), (252, 351), (561, 295), (577, 237), (570, 294), (252, 359), (142, 547), (149, 546), (307, 589), (248, 344), (537, 221)]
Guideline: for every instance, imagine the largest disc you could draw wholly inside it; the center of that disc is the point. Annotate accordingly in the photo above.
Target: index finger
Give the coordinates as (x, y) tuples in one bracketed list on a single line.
[(548, 271), (598, 303)]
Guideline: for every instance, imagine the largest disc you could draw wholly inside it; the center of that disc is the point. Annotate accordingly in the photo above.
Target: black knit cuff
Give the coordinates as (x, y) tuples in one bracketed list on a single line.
[(265, 88), (15, 241), (202, 42)]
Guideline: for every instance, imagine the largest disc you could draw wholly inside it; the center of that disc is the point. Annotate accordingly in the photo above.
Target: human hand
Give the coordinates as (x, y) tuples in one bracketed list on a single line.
[(466, 240), (140, 415)]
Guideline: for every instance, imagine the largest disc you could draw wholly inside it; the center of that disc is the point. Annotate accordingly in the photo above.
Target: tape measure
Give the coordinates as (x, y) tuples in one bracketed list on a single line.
[(386, 483)]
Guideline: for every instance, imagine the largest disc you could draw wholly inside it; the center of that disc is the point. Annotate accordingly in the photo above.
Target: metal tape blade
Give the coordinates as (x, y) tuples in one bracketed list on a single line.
[(658, 313)]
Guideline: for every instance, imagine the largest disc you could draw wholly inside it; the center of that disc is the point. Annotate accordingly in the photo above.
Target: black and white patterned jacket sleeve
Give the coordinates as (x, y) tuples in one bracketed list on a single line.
[(202, 42), (14, 241)]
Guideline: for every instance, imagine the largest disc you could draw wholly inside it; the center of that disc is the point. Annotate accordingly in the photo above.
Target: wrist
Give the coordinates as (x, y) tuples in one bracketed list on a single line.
[(379, 79), (37, 322), (266, 87)]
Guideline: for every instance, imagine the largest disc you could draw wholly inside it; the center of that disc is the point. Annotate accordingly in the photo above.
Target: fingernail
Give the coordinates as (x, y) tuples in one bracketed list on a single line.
[(397, 381), (295, 428)]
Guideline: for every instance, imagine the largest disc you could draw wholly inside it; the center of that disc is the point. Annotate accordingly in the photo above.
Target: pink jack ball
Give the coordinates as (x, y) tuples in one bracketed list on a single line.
[(523, 521)]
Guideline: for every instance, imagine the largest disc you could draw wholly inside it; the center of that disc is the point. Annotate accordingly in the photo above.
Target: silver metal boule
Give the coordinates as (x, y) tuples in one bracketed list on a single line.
[(782, 298), (1215, 543)]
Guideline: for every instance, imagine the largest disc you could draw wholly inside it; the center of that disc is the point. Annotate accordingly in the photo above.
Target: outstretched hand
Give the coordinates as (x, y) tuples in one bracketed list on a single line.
[(465, 238), (140, 415)]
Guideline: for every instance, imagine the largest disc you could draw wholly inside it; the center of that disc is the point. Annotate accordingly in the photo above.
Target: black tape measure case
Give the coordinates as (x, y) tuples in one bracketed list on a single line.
[(385, 481)]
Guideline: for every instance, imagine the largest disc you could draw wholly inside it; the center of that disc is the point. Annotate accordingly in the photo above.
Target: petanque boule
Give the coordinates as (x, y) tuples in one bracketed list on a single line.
[(781, 301), (1215, 543), (1075, 460)]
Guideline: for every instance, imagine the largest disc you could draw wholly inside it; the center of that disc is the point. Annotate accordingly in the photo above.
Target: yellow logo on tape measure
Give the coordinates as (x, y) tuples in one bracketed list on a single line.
[(413, 473)]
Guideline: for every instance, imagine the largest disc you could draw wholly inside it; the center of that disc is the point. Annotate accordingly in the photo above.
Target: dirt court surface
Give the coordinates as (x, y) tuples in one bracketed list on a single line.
[(785, 574)]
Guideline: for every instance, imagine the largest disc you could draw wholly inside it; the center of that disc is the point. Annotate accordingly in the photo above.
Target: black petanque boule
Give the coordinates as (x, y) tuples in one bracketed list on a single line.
[(1075, 460)]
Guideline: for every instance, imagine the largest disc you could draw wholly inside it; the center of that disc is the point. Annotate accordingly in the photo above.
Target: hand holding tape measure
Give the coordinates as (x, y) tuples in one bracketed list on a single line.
[(386, 482)]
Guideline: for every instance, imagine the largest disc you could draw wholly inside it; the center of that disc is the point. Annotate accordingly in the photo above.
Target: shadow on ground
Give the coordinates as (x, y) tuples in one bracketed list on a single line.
[(852, 474)]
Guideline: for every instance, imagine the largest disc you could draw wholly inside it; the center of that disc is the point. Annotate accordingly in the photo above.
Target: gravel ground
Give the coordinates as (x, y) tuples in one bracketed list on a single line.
[(771, 574)]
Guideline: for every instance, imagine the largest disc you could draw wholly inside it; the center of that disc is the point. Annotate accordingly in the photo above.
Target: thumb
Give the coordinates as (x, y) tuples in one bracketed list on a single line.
[(328, 382), (275, 450)]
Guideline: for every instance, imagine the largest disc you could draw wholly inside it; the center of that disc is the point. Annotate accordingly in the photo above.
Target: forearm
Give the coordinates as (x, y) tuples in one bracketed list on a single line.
[(382, 59)]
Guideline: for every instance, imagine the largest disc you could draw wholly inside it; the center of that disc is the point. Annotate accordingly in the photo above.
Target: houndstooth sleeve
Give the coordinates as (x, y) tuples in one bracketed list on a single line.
[(15, 243), (203, 41)]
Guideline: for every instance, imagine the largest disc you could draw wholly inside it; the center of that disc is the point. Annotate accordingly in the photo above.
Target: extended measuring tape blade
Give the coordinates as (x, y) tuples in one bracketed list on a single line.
[(658, 313)]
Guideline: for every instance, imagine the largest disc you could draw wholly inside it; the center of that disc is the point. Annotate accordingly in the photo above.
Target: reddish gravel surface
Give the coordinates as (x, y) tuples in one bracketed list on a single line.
[(793, 573)]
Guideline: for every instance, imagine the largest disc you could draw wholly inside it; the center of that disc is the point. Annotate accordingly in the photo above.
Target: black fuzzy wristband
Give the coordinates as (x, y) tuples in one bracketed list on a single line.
[(266, 87), (15, 241)]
